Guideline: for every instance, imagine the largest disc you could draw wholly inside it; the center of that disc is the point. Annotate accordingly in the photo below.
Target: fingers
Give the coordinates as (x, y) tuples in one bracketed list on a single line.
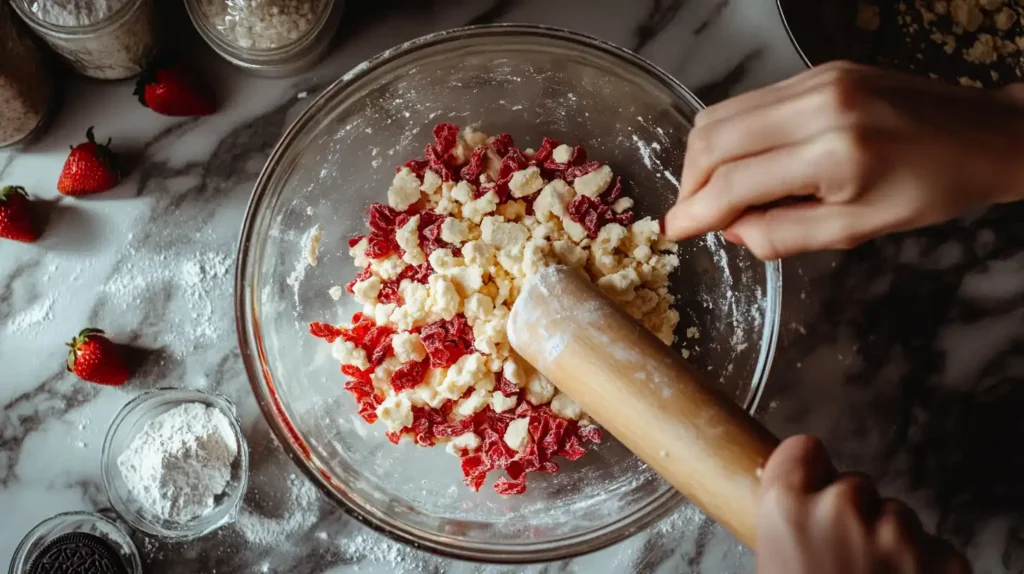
[(712, 147), (811, 226), (738, 186), (776, 92), (799, 464)]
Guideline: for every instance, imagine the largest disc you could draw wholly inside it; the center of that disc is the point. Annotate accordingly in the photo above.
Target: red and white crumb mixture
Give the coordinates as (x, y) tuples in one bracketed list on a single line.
[(442, 265)]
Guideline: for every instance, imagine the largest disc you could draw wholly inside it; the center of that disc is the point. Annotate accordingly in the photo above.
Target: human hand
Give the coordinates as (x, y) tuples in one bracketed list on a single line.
[(812, 520), (867, 151)]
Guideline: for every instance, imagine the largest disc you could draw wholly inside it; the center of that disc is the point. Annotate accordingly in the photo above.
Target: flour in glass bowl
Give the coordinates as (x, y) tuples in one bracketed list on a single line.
[(75, 12), (181, 462)]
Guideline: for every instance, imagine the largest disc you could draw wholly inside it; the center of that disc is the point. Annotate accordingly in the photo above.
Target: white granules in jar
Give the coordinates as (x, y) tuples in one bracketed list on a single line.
[(26, 84), (116, 48), (181, 462), (75, 12), (263, 24)]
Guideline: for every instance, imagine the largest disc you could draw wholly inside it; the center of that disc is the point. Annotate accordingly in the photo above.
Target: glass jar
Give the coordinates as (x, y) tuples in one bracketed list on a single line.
[(106, 40), (26, 82), (268, 37)]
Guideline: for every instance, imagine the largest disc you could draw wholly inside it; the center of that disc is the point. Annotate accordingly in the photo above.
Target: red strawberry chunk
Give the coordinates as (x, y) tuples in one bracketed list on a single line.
[(409, 375), (502, 143), (591, 433), (361, 276), (506, 487), (512, 163), (546, 148), (593, 215), (447, 341), (325, 331), (417, 166), (471, 172)]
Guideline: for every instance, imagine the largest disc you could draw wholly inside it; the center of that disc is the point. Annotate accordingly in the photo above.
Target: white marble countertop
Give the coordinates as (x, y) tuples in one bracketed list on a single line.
[(901, 355)]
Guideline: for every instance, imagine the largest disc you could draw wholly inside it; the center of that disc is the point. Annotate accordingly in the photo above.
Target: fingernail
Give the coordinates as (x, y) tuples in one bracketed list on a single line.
[(732, 237)]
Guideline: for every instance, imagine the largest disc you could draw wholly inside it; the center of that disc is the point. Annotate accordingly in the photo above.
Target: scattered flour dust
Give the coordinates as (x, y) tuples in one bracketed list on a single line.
[(302, 510), (310, 257), (40, 313), (196, 281)]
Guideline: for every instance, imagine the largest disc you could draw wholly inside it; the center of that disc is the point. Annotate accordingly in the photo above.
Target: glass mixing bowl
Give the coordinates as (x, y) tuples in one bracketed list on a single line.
[(340, 155)]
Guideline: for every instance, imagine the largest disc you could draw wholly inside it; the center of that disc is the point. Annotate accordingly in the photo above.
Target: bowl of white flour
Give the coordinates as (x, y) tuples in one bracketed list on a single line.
[(175, 463)]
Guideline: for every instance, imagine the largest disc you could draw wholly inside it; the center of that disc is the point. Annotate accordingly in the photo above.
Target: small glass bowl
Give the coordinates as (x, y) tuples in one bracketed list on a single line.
[(68, 522), (128, 423), (285, 60), (113, 48)]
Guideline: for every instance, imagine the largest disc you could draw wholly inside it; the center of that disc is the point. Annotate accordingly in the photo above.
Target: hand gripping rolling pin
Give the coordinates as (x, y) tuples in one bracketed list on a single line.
[(643, 392)]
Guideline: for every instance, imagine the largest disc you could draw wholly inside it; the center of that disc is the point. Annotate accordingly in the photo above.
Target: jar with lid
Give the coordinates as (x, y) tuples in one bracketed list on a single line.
[(104, 39), (26, 82), (268, 37)]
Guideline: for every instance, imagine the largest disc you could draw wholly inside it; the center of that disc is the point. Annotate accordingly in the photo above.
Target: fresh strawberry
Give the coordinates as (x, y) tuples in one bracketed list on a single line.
[(173, 90), (91, 168), (16, 218), (96, 359)]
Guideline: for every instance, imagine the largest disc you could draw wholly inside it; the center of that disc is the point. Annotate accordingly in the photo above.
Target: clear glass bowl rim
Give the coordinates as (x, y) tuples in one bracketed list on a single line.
[(229, 507), (274, 412)]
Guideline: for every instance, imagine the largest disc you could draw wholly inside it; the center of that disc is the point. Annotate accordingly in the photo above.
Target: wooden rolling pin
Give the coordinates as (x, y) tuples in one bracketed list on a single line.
[(643, 392)]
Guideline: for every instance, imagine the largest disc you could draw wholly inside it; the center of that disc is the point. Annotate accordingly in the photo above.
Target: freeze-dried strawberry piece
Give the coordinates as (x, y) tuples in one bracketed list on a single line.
[(579, 155), (544, 152), (377, 344), (446, 135), (423, 418), (408, 376), (381, 239), (361, 387), (417, 166), (325, 331), (507, 387), (393, 436), (401, 219), (430, 232), (529, 200), (512, 163), (355, 241), (580, 170), (613, 193), (471, 172), (537, 427), (389, 293), (516, 469), (368, 408), (417, 273), (439, 162), (447, 341), (548, 466), (361, 325), (591, 433), (361, 276), (572, 450), (593, 215), (382, 217), (501, 189), (502, 143), (455, 428)]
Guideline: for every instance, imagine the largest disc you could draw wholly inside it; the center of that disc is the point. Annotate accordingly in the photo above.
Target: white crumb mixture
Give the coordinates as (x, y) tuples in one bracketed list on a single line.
[(501, 247), (263, 24)]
